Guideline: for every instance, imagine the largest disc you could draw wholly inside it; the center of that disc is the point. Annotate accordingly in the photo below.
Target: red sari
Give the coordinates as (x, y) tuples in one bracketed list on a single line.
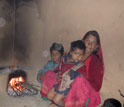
[(95, 69), (87, 89), (82, 89)]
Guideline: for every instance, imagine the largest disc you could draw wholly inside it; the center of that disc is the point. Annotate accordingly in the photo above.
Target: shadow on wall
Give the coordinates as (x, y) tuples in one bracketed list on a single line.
[(14, 41), (6, 30)]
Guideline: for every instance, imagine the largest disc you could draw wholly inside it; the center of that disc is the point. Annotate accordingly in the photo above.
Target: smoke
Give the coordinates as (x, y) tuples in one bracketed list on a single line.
[(21, 43), (15, 38), (6, 30), (22, 33), (5, 47)]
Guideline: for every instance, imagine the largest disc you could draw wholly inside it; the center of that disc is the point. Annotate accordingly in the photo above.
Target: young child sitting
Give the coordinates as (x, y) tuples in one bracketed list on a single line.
[(56, 51), (70, 67)]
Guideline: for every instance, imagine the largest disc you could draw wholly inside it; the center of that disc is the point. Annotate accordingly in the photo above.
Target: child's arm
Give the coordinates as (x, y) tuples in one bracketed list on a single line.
[(42, 71)]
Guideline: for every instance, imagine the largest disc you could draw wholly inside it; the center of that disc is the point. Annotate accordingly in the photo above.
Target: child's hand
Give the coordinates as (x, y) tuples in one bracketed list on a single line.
[(41, 77)]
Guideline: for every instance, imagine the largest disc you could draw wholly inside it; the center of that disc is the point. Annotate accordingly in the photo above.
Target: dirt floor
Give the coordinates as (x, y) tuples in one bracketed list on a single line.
[(35, 101), (27, 101), (22, 101)]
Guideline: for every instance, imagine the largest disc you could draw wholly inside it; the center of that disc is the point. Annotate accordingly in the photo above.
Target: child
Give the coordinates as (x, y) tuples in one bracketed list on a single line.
[(111, 102), (70, 67), (56, 51)]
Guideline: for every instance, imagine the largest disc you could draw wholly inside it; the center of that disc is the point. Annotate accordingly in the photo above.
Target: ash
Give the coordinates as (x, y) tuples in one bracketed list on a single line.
[(28, 90)]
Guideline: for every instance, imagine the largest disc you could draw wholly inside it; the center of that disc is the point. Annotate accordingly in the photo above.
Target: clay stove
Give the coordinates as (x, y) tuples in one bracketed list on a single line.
[(17, 84)]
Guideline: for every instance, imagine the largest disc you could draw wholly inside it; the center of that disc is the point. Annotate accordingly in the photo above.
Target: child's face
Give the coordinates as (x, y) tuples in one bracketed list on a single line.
[(77, 54), (56, 56)]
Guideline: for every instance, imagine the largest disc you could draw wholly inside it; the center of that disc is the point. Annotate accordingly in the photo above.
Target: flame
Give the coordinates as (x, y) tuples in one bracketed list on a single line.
[(16, 83)]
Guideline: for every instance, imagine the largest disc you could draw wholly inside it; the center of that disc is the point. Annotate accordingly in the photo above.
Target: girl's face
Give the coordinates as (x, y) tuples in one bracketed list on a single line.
[(56, 56), (77, 55), (91, 44)]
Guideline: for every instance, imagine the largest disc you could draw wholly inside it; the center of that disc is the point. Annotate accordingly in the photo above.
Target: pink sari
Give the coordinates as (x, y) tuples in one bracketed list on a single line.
[(49, 80), (79, 94), (50, 77)]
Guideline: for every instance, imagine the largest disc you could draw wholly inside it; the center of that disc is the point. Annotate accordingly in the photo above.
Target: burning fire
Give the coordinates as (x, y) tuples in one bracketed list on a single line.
[(16, 83)]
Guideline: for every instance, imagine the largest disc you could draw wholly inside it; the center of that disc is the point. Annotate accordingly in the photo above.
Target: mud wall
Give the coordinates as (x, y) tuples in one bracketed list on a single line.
[(39, 23)]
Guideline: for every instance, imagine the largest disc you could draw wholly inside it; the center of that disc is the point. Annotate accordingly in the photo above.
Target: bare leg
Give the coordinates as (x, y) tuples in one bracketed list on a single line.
[(51, 94), (59, 100)]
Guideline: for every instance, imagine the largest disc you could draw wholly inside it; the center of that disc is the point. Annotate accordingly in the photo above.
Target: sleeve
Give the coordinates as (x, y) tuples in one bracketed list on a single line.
[(43, 70)]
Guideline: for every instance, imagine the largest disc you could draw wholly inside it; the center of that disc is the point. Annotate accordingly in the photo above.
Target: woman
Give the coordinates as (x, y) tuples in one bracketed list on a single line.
[(94, 59), (85, 90)]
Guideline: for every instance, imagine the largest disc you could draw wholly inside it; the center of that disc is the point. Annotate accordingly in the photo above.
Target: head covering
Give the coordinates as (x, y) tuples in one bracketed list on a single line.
[(99, 53)]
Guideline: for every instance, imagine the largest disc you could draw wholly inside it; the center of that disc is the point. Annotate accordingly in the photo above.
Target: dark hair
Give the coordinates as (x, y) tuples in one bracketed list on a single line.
[(95, 34), (111, 102), (58, 47), (78, 44)]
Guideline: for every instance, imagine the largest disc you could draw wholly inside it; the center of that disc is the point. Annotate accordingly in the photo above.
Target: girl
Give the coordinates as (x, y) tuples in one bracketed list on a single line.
[(56, 52)]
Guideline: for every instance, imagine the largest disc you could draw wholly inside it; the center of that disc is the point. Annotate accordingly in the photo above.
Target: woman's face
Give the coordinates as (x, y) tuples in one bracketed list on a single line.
[(91, 44)]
